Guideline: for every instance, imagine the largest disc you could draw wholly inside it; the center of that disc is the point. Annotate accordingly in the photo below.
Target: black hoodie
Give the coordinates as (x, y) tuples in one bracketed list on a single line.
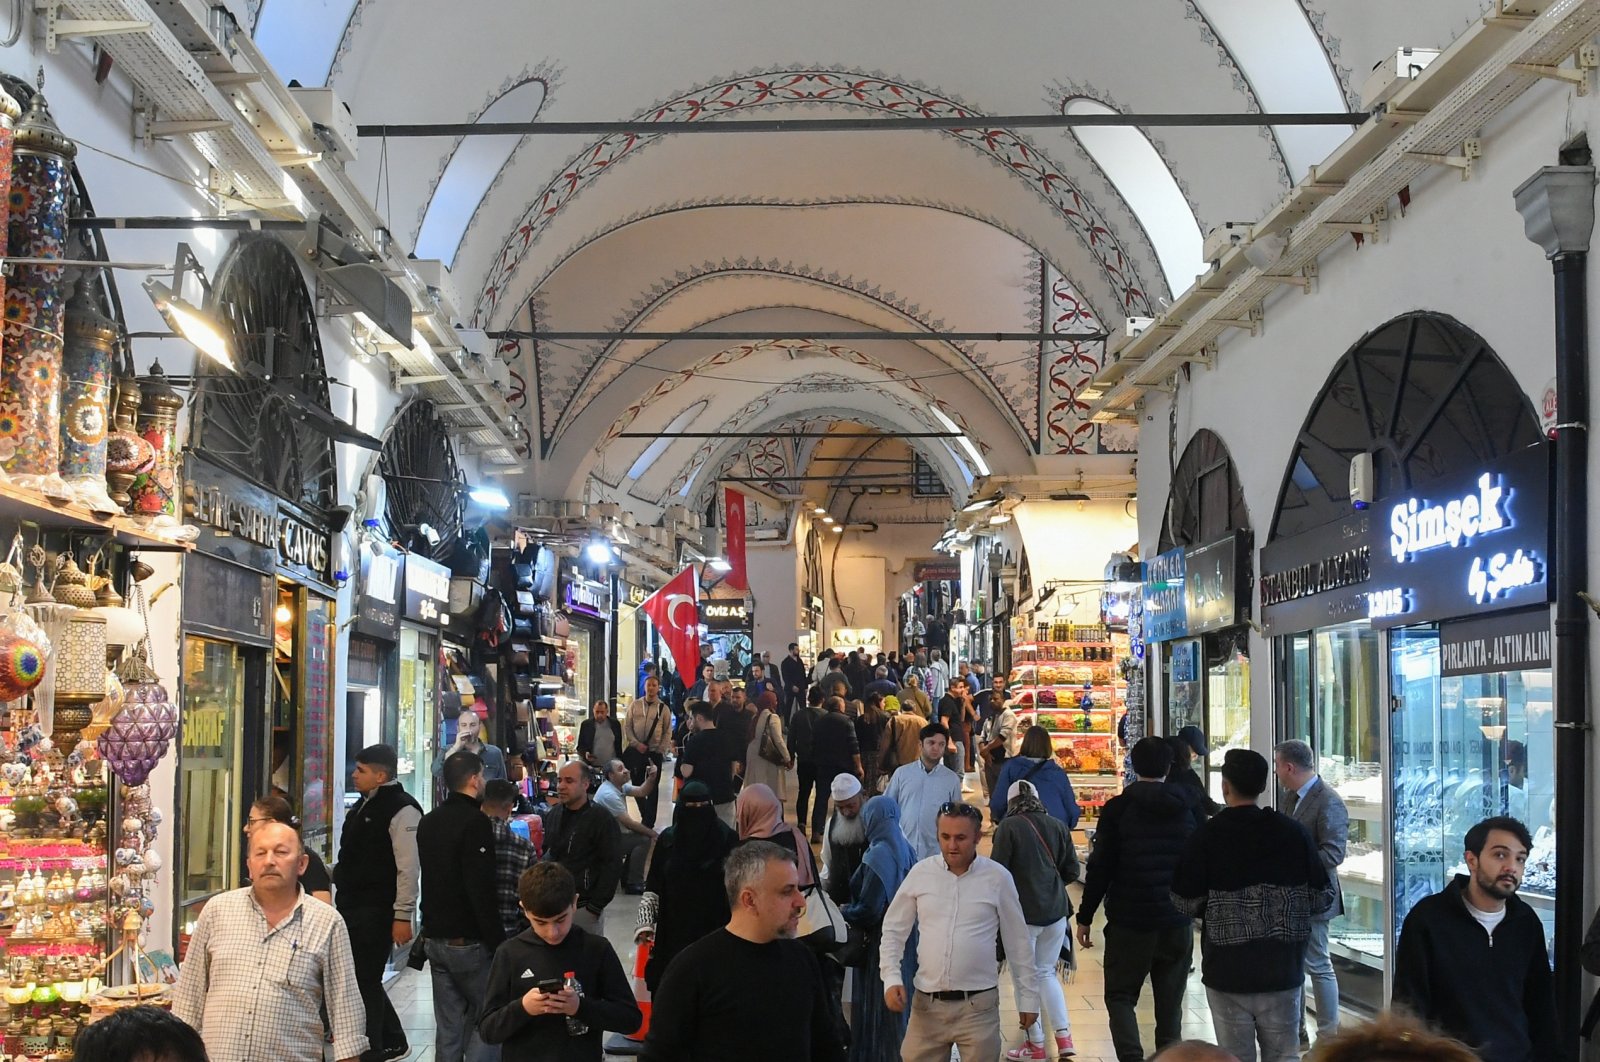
[(1491, 992), (525, 960), (1141, 834)]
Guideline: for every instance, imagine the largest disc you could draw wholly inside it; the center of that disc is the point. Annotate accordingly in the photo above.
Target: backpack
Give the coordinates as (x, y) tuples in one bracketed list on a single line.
[(801, 730)]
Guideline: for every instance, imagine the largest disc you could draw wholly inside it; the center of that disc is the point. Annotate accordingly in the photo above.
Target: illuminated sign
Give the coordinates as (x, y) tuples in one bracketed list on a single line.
[(1415, 526), (427, 591), (1381, 604), (729, 615), (1165, 612)]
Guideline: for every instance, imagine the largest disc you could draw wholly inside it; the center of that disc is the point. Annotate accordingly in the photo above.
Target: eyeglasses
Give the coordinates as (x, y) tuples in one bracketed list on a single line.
[(960, 810)]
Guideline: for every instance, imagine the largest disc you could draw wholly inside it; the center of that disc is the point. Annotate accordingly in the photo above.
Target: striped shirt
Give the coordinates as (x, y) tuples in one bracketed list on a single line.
[(256, 992)]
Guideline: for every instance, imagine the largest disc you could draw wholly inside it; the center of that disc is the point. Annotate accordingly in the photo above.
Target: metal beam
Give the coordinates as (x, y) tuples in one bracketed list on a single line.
[(232, 224), (899, 478), (641, 127), (788, 435), (859, 336)]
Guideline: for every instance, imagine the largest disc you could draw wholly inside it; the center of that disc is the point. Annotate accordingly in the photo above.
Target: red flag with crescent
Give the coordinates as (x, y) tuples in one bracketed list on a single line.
[(733, 528), (675, 610)]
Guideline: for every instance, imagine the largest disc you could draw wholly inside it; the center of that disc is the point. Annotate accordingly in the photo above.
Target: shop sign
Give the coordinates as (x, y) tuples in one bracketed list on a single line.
[(303, 547), (246, 524), (724, 615), (1485, 645), (378, 594), (1165, 610), (228, 600), (848, 638), (637, 594), (587, 598), (427, 591), (1465, 544), (1319, 578), (1216, 578), (1186, 661), (933, 571)]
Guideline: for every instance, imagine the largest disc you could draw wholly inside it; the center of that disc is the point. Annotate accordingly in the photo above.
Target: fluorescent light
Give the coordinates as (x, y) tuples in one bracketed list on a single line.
[(819, 510), (980, 504), (1000, 518), (827, 519), (598, 552), (490, 497), (966, 444), (838, 529), (719, 564), (195, 325)]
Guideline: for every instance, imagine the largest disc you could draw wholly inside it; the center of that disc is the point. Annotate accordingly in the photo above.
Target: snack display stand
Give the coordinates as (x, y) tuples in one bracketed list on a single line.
[(1072, 686)]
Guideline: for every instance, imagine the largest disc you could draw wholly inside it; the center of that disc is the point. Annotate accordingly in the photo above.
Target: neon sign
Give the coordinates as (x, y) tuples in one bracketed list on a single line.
[(1394, 601), (1503, 574), (1416, 527)]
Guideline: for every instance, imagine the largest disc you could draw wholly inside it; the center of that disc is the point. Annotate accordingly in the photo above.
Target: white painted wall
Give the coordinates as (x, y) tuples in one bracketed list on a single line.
[(1071, 542)]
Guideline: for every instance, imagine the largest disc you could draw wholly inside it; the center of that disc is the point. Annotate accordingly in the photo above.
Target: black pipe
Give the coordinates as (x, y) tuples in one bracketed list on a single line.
[(860, 125), (613, 637), (225, 224), (546, 334), (1571, 650)]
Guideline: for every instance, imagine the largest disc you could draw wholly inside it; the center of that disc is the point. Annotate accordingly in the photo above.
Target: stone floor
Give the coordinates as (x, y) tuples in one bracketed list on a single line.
[(412, 992)]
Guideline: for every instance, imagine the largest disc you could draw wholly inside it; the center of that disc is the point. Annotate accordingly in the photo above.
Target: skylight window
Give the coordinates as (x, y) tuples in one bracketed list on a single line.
[(1136, 169), (659, 446), (301, 37), (1278, 51), (471, 171)]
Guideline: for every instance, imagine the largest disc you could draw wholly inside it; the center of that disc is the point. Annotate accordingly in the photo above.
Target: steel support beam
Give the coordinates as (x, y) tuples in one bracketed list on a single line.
[(856, 336), (788, 435), (402, 130)]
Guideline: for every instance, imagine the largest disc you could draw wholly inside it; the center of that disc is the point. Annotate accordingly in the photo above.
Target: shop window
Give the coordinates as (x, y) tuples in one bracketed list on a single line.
[(251, 421), (1423, 394), (925, 480), (209, 791)]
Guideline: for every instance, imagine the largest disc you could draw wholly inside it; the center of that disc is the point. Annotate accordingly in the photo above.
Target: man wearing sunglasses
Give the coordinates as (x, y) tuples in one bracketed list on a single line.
[(959, 901)]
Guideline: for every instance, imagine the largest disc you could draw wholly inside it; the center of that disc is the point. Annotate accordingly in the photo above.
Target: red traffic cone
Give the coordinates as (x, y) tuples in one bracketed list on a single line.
[(633, 1043)]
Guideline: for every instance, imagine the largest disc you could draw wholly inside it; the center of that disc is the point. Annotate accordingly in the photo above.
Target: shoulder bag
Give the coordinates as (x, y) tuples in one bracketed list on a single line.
[(770, 749), (1068, 959)]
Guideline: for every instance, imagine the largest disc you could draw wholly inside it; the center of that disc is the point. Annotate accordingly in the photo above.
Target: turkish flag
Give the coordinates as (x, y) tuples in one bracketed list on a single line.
[(733, 531), (680, 630)]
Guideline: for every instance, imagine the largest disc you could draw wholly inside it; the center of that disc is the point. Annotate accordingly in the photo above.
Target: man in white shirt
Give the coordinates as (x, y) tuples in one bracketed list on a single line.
[(997, 739), (958, 900), (636, 836), (921, 788), (938, 678)]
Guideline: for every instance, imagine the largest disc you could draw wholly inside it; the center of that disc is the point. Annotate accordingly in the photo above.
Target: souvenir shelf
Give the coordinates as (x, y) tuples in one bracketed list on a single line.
[(1073, 688)]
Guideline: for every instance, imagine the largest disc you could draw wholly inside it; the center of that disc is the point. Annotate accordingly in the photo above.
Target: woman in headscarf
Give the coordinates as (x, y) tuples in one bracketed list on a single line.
[(877, 1031), (758, 770), (684, 898), (760, 817)]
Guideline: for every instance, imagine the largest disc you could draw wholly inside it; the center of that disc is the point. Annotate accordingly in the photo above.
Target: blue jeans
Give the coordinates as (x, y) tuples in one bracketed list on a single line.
[(1324, 985), (1243, 1018), (460, 987)]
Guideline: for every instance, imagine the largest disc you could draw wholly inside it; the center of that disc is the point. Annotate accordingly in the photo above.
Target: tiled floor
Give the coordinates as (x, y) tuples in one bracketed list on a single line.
[(413, 995)]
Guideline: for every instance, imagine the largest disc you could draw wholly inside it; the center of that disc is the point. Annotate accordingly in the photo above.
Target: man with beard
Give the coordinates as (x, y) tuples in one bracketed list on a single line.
[(716, 999), (844, 841), (1472, 959)]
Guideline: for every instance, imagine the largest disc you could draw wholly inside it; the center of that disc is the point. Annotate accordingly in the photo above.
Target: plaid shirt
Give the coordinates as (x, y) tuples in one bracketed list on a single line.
[(512, 855), (255, 992)]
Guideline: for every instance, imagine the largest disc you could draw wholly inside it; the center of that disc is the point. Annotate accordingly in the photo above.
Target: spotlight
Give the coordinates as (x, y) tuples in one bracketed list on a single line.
[(193, 324), (719, 564), (598, 552), (838, 529), (490, 497)]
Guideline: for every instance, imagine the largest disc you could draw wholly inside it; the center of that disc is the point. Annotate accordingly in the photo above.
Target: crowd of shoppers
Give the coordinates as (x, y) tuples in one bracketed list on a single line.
[(734, 899)]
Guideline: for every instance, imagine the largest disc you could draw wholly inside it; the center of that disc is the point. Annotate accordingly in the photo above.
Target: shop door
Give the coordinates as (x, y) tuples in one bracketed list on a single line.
[(418, 712), (1467, 747)]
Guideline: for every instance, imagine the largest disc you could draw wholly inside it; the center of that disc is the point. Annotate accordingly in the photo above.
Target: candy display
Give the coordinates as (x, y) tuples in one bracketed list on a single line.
[(1076, 691)]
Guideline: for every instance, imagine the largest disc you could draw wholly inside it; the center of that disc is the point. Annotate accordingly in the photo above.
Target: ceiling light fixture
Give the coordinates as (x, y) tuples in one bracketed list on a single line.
[(1000, 518), (598, 552), (719, 564), (184, 317), (838, 529), (827, 519), (980, 504)]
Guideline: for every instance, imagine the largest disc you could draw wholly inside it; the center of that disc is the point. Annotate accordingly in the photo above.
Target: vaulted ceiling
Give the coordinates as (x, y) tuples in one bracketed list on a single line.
[(1063, 232)]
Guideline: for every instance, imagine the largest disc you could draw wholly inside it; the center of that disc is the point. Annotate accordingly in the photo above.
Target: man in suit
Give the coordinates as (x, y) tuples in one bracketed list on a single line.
[(1313, 804), (795, 680)]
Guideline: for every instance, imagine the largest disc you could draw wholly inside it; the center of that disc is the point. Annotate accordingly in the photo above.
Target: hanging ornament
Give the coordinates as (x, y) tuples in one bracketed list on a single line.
[(155, 493), (91, 338), (128, 454), (30, 370), (138, 737)]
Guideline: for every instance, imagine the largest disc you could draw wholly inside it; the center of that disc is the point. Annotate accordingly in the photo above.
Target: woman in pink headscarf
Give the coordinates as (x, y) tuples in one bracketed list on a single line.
[(759, 815), (768, 731)]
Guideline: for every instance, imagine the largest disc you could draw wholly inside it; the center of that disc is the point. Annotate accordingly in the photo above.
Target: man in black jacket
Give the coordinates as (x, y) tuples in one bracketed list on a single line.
[(600, 737), (377, 878), (795, 679), (1472, 959), (1141, 834), (460, 916), (531, 1023), (1254, 876), (835, 751), (582, 836)]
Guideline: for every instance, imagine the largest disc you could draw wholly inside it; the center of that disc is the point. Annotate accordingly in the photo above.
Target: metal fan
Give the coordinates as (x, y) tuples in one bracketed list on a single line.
[(424, 484)]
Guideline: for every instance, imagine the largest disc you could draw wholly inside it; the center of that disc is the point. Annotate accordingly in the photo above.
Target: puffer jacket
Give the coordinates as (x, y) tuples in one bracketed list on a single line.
[(1141, 835)]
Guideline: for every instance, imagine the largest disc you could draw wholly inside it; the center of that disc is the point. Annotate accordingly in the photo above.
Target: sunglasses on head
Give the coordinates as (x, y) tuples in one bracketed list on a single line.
[(960, 810)]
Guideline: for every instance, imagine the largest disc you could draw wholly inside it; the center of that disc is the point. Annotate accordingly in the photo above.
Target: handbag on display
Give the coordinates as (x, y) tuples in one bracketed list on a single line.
[(563, 626), (525, 602)]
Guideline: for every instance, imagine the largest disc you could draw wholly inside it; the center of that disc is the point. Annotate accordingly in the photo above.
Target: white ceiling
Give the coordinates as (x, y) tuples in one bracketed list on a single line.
[(966, 231)]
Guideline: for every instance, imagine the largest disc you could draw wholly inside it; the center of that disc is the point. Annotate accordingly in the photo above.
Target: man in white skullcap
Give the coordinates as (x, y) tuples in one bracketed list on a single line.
[(844, 842)]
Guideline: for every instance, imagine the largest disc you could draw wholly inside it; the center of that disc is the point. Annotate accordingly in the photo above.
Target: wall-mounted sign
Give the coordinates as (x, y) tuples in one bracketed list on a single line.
[(1185, 661), (427, 591), (246, 524), (724, 615), (1165, 612), (848, 638), (935, 570), (1485, 645), (1216, 583), (1319, 578), (378, 599), (1464, 544), (637, 594), (588, 598), (228, 600)]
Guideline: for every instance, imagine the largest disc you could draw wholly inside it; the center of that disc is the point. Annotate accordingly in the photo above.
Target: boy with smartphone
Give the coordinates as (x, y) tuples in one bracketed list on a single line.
[(529, 1002)]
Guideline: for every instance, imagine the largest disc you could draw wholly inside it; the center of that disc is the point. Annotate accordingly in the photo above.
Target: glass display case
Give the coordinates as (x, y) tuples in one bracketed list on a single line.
[(1332, 677), (209, 785), (1075, 689), (1467, 747)]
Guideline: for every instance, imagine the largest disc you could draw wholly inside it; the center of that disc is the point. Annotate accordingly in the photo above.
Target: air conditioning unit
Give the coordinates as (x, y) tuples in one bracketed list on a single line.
[(335, 125), (435, 275), (1392, 74), (1219, 239)]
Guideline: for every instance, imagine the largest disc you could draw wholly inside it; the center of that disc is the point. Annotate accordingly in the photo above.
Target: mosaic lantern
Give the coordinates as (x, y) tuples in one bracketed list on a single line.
[(10, 111), (155, 492), (128, 455), (91, 337), (140, 734), (30, 369)]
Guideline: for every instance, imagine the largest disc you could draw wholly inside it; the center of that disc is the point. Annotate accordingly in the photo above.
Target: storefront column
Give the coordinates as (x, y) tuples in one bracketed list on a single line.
[(1557, 208)]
